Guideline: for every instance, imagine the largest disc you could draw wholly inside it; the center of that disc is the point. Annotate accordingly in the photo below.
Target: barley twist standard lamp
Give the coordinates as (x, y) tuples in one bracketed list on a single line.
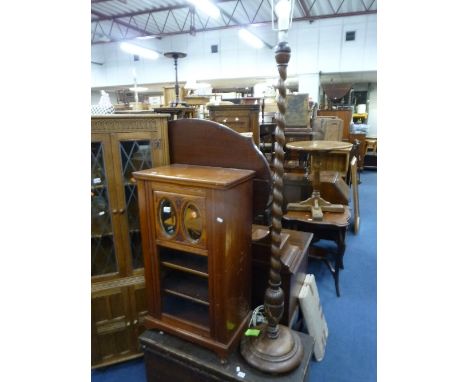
[(277, 349)]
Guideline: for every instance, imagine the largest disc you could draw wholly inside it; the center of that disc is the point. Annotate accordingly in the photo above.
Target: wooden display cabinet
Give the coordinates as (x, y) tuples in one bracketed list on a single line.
[(120, 144), (196, 223), (240, 118)]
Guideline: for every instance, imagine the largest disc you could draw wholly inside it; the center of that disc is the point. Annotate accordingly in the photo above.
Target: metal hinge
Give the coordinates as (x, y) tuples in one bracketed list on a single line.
[(157, 144)]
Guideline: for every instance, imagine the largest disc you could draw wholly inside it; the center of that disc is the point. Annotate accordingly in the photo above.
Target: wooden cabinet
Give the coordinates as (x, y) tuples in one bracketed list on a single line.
[(120, 144), (196, 223), (241, 118), (345, 115)]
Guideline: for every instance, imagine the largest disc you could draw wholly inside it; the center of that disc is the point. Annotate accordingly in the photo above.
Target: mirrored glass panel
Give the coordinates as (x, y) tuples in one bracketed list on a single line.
[(167, 215), (192, 222)]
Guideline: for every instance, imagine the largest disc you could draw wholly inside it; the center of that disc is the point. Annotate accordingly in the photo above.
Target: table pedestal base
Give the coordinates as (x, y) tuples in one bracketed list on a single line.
[(317, 206)]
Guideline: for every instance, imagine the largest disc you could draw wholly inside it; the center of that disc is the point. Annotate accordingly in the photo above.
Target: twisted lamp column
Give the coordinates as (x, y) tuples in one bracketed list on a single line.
[(277, 349)]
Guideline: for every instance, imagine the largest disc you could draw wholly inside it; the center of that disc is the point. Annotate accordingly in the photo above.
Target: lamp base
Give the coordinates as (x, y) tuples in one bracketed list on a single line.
[(275, 356)]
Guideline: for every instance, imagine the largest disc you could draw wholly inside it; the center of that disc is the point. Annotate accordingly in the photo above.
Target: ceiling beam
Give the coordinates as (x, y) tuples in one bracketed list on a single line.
[(303, 8), (153, 10), (135, 28), (306, 18)]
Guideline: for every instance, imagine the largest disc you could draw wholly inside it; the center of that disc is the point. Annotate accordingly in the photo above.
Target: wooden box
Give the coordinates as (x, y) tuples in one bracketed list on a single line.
[(345, 115), (171, 359), (196, 223)]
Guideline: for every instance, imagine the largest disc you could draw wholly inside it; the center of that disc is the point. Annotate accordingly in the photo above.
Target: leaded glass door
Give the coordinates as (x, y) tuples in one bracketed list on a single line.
[(104, 259), (136, 151)]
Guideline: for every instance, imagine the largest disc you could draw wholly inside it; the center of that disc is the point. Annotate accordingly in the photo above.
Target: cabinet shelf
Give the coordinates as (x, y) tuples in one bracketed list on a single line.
[(186, 310), (98, 187), (99, 236), (186, 286), (184, 262)]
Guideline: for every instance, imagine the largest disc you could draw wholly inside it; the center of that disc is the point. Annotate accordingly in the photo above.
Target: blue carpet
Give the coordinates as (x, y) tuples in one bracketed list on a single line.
[(351, 352)]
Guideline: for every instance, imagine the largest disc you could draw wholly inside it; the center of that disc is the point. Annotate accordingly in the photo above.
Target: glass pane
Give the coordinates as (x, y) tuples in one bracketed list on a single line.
[(103, 258), (192, 222), (135, 156), (167, 216)]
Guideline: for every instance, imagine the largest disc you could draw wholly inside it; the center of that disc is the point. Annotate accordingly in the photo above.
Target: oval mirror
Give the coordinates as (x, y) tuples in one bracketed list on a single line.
[(167, 216), (192, 222)]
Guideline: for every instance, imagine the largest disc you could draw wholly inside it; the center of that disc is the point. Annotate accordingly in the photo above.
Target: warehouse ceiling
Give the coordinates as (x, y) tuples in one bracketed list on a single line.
[(116, 20)]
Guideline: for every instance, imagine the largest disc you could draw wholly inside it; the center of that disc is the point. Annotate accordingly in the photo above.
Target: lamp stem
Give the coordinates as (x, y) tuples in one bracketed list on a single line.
[(274, 295), (176, 82), (278, 349)]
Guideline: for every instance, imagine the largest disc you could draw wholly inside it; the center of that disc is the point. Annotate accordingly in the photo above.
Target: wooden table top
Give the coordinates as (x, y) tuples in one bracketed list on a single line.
[(339, 219), (318, 145)]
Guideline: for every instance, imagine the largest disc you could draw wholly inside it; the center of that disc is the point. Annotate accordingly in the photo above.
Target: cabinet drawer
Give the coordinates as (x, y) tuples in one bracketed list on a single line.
[(240, 124)]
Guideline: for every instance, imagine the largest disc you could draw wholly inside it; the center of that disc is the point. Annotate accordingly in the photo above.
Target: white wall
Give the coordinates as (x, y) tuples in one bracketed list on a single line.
[(317, 46), (372, 109)]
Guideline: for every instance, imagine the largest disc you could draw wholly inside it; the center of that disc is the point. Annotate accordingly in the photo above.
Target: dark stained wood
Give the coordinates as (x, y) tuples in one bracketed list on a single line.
[(207, 143), (241, 118), (216, 316), (333, 227), (169, 359), (293, 268)]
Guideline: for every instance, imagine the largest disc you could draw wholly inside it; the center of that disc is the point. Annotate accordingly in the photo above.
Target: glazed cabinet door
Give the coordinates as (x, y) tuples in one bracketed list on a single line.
[(111, 325), (133, 152), (106, 260)]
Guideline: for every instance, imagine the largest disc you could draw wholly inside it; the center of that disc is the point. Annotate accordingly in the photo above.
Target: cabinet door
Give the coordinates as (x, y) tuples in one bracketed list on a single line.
[(105, 261), (111, 325), (139, 307), (133, 152)]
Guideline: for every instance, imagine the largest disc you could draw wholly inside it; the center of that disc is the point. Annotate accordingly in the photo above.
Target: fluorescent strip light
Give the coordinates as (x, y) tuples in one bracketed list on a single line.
[(145, 37), (138, 89), (207, 7), (251, 38), (139, 51)]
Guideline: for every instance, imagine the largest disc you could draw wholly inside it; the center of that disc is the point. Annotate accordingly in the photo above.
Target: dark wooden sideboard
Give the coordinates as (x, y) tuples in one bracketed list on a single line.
[(241, 118)]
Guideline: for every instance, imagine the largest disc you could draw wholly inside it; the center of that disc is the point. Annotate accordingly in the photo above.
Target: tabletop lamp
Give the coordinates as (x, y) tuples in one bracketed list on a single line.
[(277, 349)]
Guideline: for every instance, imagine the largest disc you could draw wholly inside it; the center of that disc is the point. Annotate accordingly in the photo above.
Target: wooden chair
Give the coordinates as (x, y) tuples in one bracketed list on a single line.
[(354, 184)]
